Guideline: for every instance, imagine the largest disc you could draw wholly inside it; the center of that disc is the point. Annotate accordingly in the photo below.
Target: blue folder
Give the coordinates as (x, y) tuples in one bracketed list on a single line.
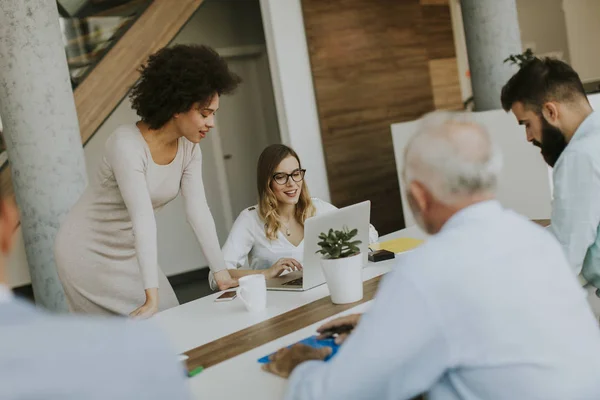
[(312, 342)]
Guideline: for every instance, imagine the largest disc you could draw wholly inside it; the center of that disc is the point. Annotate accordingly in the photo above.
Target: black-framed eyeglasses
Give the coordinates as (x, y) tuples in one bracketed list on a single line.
[(281, 178)]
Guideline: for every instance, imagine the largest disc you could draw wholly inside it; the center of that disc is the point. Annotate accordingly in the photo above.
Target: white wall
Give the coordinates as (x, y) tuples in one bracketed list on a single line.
[(460, 46), (219, 24), (224, 23), (583, 32), (543, 27), (524, 184), (294, 90)]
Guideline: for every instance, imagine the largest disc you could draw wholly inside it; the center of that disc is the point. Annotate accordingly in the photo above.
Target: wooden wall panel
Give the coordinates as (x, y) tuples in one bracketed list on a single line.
[(445, 84), (371, 68), (437, 31), (443, 67), (434, 2)]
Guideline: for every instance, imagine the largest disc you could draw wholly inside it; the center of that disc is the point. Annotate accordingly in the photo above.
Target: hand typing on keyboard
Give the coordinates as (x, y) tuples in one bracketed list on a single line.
[(282, 265)]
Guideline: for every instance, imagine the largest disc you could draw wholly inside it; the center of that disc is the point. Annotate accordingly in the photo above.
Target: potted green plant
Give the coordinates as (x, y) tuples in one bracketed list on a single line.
[(520, 59), (342, 265)]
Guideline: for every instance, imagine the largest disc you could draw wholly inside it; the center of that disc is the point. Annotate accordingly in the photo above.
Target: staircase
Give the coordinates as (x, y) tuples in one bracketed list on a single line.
[(105, 43), (91, 28)]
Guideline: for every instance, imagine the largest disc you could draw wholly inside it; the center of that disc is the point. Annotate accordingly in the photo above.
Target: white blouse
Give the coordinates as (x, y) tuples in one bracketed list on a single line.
[(248, 247)]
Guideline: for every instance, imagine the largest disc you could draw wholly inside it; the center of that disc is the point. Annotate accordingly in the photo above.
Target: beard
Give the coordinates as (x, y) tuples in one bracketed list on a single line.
[(553, 142)]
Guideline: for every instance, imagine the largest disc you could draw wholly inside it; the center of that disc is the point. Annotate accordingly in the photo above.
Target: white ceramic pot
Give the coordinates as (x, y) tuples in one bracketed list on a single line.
[(344, 279)]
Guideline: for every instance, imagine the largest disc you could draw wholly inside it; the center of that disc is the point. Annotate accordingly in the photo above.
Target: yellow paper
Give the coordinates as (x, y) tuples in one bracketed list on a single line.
[(398, 245)]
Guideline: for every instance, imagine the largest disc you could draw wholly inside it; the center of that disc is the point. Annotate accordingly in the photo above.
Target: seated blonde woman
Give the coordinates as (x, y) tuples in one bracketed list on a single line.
[(269, 238)]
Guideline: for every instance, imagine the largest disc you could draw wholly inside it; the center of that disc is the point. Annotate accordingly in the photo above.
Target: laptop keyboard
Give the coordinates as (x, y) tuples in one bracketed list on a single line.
[(295, 282)]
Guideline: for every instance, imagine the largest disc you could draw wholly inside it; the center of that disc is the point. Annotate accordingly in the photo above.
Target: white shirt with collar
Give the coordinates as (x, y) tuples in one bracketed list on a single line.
[(486, 309), (576, 203), (247, 246), (62, 356)]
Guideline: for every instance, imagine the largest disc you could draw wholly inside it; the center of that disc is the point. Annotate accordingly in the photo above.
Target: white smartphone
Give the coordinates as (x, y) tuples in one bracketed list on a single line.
[(227, 296)]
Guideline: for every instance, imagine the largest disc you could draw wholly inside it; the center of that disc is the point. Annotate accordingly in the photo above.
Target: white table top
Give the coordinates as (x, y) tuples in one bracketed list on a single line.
[(203, 321), (251, 382)]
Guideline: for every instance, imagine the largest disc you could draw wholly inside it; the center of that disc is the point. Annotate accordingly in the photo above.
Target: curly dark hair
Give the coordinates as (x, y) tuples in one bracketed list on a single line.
[(174, 78)]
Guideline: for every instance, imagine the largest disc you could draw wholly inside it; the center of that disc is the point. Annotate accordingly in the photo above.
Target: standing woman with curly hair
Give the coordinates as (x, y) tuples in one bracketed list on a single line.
[(106, 249)]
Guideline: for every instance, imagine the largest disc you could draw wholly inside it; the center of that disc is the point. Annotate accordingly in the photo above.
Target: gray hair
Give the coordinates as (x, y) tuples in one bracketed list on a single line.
[(454, 157)]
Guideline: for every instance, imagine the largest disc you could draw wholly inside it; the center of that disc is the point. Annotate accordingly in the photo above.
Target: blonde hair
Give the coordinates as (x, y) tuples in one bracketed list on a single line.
[(268, 161)]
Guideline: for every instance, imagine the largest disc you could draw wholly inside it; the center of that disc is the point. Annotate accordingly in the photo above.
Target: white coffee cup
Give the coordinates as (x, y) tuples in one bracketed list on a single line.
[(253, 292)]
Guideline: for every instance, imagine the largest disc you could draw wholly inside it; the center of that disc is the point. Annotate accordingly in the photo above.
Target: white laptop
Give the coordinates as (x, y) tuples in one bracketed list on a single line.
[(356, 216)]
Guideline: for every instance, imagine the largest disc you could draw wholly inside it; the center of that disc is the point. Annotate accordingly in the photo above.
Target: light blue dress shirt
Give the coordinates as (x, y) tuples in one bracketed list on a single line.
[(487, 309), (576, 204), (66, 357)]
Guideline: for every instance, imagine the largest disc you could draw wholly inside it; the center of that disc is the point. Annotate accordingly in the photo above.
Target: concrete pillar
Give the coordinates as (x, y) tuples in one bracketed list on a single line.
[(41, 132), (492, 34)]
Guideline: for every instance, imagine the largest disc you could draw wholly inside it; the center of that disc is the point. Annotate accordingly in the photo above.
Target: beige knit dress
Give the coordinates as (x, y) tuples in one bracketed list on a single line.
[(106, 249)]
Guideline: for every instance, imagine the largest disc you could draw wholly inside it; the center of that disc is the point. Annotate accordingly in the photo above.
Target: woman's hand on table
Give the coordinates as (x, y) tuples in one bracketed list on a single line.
[(224, 280), (150, 306)]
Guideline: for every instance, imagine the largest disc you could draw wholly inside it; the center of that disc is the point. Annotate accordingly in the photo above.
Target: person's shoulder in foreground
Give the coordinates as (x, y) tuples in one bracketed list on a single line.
[(73, 357)]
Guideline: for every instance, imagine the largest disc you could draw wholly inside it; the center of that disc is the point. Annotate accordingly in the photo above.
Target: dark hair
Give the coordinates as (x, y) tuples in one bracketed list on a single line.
[(174, 78), (541, 80)]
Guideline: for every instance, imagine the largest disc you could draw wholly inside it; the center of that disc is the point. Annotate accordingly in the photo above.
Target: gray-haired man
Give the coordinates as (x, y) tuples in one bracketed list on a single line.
[(487, 309)]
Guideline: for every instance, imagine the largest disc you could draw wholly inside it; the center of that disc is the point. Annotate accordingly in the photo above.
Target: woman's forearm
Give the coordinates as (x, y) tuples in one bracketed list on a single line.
[(238, 273)]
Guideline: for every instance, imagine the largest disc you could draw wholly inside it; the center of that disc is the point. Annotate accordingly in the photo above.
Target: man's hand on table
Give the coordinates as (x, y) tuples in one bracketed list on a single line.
[(285, 360), (342, 327)]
